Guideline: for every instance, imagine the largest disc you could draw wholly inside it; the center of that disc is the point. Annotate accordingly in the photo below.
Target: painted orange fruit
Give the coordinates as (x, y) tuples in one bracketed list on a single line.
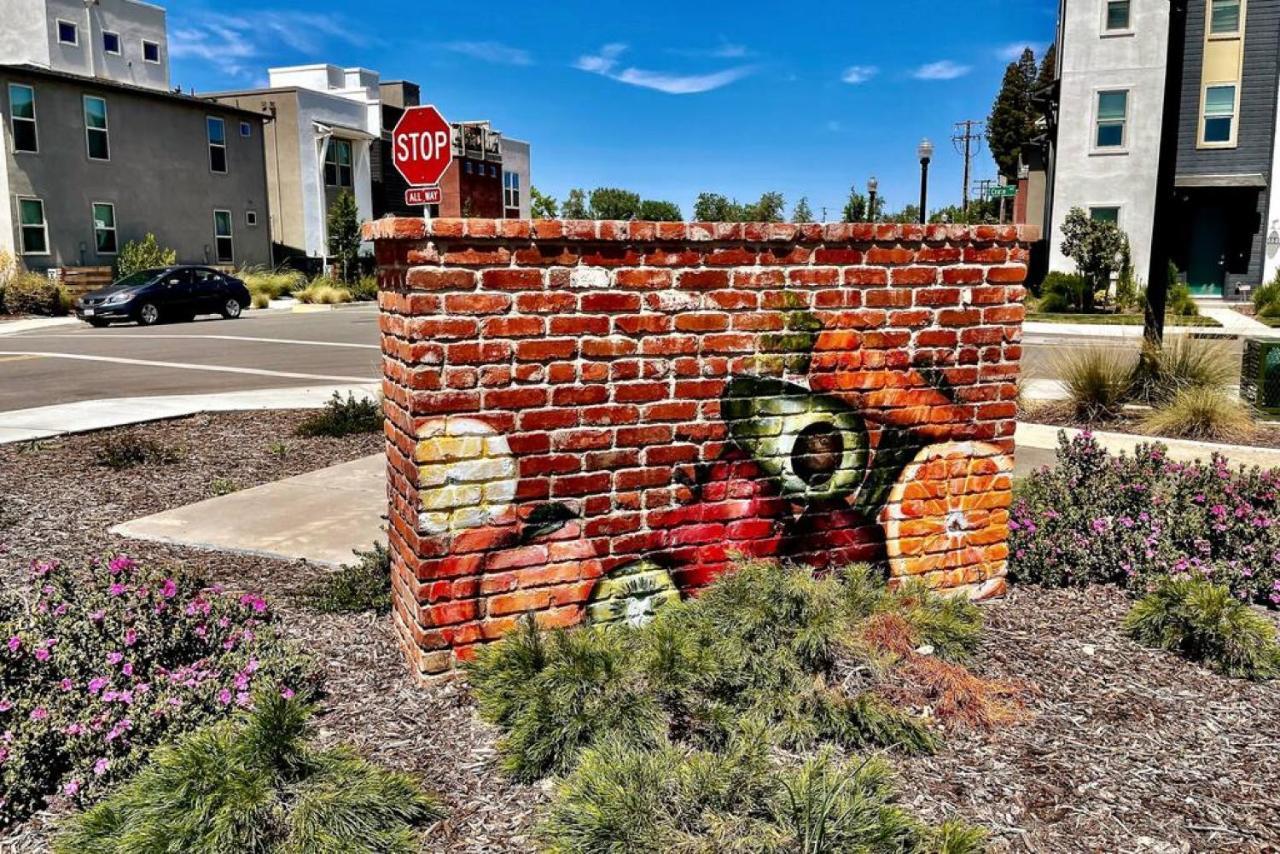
[(947, 518)]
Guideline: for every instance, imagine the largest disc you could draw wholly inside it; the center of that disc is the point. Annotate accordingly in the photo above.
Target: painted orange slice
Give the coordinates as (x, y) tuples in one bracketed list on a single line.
[(947, 518)]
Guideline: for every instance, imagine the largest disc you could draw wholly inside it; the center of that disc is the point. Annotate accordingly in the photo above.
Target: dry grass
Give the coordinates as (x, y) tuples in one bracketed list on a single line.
[(1204, 414), (956, 695), (323, 293), (1098, 380)]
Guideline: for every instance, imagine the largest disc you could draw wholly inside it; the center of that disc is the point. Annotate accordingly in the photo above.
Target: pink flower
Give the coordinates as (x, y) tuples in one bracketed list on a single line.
[(114, 658), (98, 616), (15, 643), (169, 589), (5, 705), (127, 670), (71, 789), (39, 713), (130, 637), (42, 654), (116, 589), (120, 564), (101, 767), (286, 692), (224, 697), (97, 684), (67, 685)]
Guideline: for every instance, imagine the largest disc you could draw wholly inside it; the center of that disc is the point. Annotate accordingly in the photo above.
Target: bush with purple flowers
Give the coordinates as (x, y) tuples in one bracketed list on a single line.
[(1098, 518), (99, 667)]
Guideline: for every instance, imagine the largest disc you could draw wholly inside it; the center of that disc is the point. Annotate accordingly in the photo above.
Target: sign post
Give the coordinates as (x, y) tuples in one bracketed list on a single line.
[(422, 151)]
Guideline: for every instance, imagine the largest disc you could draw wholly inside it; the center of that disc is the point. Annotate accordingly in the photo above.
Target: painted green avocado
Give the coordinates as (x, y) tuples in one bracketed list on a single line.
[(815, 445)]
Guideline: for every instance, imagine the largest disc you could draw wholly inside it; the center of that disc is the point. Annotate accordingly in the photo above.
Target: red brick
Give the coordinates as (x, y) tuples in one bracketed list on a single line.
[(938, 296), (1014, 275), (477, 303), (424, 279), (515, 398), (512, 280), (546, 349), (864, 276), (610, 302), (546, 303), (702, 322), (881, 256), (644, 279), (913, 276), (579, 325), (704, 280), (513, 327)]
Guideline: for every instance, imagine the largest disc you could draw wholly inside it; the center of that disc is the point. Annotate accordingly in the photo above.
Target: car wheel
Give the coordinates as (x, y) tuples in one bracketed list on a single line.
[(232, 308), (148, 314)]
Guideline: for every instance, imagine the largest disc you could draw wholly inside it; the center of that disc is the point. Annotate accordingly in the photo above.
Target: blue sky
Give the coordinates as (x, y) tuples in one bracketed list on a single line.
[(666, 99)]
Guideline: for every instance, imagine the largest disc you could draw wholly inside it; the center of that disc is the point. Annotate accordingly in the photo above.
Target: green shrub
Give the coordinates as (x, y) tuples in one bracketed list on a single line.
[(623, 799), (1183, 362), (1204, 414), (1204, 622), (127, 451), (364, 585), (1180, 303), (344, 417), (1266, 299), (364, 289), (254, 784), (101, 666), (145, 254), (1097, 380), (1062, 293), (220, 486), (33, 293)]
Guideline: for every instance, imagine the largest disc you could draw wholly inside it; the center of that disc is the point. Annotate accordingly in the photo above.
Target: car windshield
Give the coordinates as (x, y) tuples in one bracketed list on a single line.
[(141, 277)]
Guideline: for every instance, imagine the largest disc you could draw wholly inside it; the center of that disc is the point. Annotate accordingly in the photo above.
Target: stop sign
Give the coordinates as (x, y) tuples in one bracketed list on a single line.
[(421, 146)]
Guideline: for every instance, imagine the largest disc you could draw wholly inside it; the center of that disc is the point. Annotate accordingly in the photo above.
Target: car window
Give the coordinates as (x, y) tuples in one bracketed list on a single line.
[(177, 277)]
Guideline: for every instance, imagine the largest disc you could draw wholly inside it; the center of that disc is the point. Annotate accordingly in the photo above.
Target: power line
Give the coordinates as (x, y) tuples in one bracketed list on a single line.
[(967, 140)]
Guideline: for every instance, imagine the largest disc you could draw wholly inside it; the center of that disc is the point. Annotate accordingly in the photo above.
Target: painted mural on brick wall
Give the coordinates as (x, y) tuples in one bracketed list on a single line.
[(816, 467)]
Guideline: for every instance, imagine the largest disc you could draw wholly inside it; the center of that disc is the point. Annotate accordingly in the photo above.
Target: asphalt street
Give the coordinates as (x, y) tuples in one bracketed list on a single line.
[(262, 350)]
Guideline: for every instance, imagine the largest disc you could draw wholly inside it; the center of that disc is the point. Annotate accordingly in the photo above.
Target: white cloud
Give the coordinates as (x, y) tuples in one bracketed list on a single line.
[(1012, 52), (238, 44), (495, 52), (856, 74), (725, 50), (942, 70), (605, 63)]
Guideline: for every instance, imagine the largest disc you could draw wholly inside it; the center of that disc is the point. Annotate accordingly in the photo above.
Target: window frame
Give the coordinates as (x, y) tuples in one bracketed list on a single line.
[(1201, 136), (14, 119), (1096, 125), (1109, 31), (1118, 208), (331, 151), (114, 229), (75, 31), (510, 189), (226, 153), (229, 237), (246, 130), (44, 227), (1237, 33), (251, 219), (119, 51), (105, 130), (156, 45)]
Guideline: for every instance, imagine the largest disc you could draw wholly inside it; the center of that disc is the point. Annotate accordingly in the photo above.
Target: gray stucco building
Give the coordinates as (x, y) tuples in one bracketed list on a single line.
[(96, 150)]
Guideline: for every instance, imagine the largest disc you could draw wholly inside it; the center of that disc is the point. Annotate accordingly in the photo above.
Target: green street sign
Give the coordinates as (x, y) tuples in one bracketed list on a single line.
[(1009, 192)]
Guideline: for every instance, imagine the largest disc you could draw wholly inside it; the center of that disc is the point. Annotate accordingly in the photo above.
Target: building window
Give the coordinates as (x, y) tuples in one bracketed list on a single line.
[(224, 246), (22, 117), (35, 231), (246, 130), (1219, 126), (1224, 17), (337, 163), (466, 167), (511, 189), (151, 52), (1113, 114), (1118, 12), (68, 33), (251, 219), (111, 43), (217, 130), (1109, 214), (104, 228), (95, 127)]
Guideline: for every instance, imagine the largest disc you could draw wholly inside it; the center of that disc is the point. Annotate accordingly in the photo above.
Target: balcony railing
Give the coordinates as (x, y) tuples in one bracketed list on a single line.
[(477, 140)]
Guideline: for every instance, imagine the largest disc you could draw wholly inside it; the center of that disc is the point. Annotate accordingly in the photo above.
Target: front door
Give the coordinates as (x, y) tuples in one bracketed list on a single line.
[(1207, 262)]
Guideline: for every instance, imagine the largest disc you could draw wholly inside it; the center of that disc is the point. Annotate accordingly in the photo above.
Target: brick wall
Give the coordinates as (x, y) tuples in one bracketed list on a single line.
[(589, 420)]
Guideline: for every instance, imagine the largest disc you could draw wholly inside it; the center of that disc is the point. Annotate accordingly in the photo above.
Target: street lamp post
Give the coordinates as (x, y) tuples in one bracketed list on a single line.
[(873, 187), (925, 151)]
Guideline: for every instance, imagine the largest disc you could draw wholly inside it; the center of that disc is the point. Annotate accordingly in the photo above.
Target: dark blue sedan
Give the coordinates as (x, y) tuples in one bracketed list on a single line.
[(149, 297)]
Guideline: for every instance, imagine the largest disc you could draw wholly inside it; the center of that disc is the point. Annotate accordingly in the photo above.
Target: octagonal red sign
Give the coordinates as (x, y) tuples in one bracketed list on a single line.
[(421, 146)]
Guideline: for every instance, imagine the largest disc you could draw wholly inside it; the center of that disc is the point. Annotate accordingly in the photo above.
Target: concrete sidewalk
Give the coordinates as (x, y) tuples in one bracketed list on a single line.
[(13, 327), (1233, 325), (45, 422), (321, 517)]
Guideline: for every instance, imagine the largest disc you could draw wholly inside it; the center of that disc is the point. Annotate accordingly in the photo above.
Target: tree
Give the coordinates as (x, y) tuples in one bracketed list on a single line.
[(1011, 124), (911, 213), (144, 254), (802, 212), (1048, 68), (660, 211), (770, 208), (575, 205), (612, 203), (1097, 247), (713, 207), (344, 234), (542, 205), (855, 209)]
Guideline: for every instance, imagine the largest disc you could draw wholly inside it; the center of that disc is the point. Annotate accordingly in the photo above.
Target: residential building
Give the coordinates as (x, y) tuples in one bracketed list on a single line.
[(96, 151), (1112, 57), (332, 133)]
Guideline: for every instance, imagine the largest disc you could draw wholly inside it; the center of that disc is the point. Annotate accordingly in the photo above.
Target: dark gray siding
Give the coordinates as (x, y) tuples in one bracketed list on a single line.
[(1258, 92)]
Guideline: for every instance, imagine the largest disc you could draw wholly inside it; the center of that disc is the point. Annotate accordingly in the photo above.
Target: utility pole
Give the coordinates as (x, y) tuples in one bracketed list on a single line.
[(968, 142)]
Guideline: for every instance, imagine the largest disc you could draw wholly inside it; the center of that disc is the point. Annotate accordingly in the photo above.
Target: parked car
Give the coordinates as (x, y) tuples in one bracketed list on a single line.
[(166, 294)]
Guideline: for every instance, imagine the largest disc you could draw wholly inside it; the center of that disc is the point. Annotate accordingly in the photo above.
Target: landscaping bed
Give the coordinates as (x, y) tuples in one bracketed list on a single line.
[(1063, 414), (1171, 322), (1122, 748)]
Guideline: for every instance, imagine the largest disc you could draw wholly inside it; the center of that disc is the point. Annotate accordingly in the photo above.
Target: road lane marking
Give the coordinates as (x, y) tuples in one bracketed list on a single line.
[(21, 358), (218, 338), (219, 369)]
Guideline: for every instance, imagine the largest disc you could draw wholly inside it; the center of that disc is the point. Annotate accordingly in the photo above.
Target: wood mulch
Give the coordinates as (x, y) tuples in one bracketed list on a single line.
[(1124, 749), (1062, 414)]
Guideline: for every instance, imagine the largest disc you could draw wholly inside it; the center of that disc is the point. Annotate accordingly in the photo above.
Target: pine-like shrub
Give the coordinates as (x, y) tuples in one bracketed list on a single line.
[(253, 785), (364, 585), (1096, 518), (624, 799), (344, 417), (1204, 622), (99, 667)]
